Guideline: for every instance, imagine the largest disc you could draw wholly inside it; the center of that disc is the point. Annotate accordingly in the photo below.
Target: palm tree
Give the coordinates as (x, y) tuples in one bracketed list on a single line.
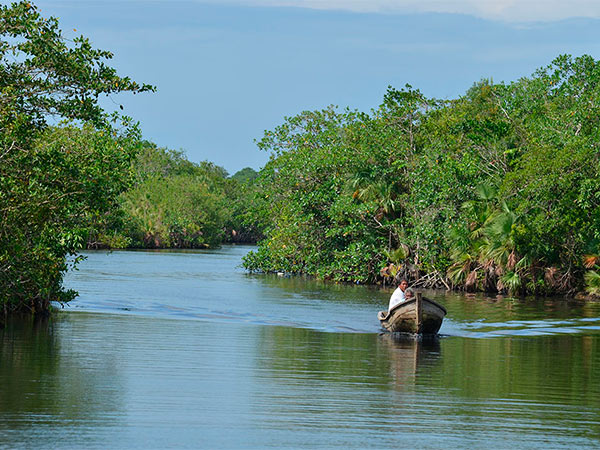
[(384, 194), (490, 248)]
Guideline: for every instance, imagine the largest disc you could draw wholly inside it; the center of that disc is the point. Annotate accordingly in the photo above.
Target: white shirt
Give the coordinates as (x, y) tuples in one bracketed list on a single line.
[(397, 297)]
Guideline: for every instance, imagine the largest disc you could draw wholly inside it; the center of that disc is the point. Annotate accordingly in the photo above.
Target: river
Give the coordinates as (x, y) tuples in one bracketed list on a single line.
[(183, 349)]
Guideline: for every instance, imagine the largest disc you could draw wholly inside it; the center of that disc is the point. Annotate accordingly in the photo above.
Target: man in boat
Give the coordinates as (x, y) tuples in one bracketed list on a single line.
[(400, 294)]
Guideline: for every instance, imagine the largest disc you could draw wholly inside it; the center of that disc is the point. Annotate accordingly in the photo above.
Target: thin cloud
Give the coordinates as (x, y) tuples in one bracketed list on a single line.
[(502, 10)]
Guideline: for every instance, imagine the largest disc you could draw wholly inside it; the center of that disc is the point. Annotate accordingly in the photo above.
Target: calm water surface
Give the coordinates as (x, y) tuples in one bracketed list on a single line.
[(185, 350)]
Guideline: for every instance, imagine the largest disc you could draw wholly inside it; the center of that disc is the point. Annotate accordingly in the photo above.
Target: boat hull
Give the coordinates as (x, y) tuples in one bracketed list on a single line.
[(403, 318)]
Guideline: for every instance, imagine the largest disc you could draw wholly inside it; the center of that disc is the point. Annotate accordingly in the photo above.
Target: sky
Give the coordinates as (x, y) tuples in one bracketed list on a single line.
[(228, 70)]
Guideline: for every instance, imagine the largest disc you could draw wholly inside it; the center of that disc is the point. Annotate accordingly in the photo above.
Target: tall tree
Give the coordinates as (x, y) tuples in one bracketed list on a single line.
[(53, 182)]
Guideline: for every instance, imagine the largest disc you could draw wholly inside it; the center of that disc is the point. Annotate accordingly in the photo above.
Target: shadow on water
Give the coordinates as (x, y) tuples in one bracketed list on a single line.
[(40, 383), (26, 345)]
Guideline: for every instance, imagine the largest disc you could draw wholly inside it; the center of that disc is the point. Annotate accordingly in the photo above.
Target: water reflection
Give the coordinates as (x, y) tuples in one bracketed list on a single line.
[(41, 388), (409, 357), (200, 359), (483, 316), (527, 387), (97, 380), (27, 348), (466, 307), (379, 360), (326, 290)]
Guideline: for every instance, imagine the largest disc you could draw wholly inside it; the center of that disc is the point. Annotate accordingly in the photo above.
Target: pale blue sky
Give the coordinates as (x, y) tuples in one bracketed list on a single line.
[(227, 70)]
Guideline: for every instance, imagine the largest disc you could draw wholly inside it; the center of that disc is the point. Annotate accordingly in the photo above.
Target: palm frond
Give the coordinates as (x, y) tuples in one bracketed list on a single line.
[(592, 282), (524, 262), (499, 225), (511, 281), (397, 255), (458, 271), (486, 191)]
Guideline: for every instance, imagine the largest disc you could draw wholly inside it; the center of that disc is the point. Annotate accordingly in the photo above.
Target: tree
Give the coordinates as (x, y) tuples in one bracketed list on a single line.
[(53, 180), (245, 175), (497, 190)]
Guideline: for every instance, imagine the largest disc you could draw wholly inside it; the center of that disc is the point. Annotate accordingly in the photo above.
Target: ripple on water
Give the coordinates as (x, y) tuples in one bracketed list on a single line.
[(210, 357), (207, 286), (482, 329)]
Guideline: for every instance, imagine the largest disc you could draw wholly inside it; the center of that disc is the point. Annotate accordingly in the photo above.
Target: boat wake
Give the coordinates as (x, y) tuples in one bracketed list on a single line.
[(483, 329), (275, 317)]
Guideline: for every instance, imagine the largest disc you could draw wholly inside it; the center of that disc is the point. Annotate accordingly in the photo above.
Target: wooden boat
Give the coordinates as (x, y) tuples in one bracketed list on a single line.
[(417, 315)]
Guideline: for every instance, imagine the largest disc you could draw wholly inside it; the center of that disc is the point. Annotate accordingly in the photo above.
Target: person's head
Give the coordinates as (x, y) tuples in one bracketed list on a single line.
[(403, 284)]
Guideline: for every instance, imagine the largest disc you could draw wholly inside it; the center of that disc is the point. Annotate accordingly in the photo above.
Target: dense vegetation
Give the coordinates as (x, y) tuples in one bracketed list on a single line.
[(497, 190), (174, 203), (54, 181)]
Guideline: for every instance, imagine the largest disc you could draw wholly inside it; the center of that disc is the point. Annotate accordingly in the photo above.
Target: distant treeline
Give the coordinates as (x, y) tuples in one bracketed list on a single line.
[(174, 203), (497, 190)]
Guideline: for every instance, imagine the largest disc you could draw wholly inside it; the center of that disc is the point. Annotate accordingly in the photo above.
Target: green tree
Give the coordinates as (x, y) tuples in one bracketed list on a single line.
[(245, 175), (53, 181), (180, 211), (497, 190)]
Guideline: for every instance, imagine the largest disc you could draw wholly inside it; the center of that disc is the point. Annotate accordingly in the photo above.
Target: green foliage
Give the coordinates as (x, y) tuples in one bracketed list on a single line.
[(246, 175), (173, 203), (241, 225), (42, 73), (498, 188), (304, 200), (52, 196), (152, 161), (592, 282), (55, 183), (174, 212)]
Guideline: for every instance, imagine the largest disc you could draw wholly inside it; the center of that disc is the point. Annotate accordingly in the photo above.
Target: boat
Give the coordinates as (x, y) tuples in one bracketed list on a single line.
[(418, 315)]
